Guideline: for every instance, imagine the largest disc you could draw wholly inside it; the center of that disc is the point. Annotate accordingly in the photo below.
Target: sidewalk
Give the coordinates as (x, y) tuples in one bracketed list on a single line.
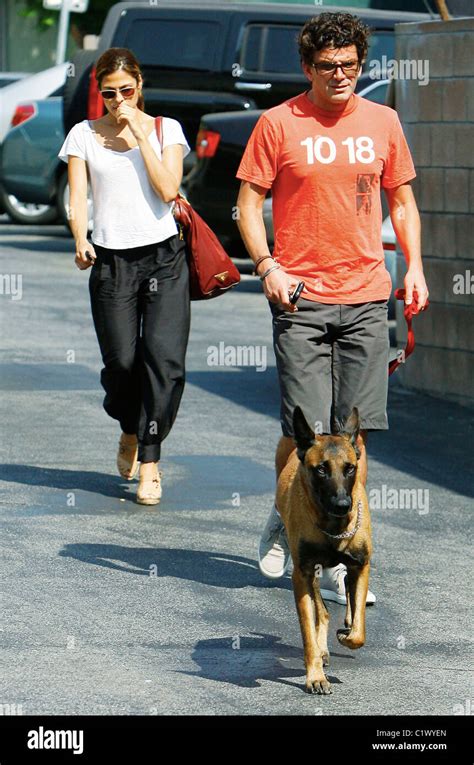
[(113, 608)]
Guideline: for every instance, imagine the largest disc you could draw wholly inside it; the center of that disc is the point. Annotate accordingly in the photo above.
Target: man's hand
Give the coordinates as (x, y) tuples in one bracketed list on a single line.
[(278, 287), (406, 224), (415, 287)]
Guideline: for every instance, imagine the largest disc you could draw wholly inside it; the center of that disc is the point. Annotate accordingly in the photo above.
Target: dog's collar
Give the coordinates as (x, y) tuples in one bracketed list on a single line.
[(347, 534)]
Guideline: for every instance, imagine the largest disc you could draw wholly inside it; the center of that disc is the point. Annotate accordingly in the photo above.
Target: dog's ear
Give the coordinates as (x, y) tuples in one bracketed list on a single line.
[(352, 428), (303, 434)]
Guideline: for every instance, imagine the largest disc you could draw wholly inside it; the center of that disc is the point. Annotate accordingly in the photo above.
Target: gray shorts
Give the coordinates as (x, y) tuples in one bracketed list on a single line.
[(329, 359)]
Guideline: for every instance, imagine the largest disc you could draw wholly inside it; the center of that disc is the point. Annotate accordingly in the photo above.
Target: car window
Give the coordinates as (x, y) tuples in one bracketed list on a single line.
[(252, 47), (271, 48), (274, 48), (174, 44), (281, 51)]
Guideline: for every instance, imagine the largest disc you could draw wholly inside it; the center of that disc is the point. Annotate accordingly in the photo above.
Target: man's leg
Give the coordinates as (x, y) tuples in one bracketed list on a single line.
[(360, 368), (360, 375), (303, 353)]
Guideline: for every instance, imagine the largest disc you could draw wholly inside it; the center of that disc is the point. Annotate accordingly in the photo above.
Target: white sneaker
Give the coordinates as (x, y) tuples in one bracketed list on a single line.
[(332, 585), (273, 552)]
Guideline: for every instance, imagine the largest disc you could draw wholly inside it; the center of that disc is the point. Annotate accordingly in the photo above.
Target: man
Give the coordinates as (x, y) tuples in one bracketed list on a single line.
[(325, 155)]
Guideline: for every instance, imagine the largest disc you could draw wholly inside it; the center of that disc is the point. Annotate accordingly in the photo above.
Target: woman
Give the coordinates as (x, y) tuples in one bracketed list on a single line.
[(139, 282)]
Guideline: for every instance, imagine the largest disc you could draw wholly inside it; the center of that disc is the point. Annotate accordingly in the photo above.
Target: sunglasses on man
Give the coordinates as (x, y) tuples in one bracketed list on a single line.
[(328, 67)]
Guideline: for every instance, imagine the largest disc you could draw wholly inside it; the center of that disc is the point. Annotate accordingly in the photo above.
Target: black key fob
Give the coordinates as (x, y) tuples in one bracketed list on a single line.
[(295, 295)]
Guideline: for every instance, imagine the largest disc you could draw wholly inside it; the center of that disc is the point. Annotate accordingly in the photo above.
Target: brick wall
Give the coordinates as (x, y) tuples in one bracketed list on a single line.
[(438, 120)]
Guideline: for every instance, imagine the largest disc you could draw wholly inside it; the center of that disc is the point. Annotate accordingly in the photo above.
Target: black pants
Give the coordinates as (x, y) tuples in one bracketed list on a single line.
[(141, 312)]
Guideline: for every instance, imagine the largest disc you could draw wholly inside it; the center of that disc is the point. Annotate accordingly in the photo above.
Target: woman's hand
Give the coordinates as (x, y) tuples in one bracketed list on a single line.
[(278, 286), (81, 260), (129, 115)]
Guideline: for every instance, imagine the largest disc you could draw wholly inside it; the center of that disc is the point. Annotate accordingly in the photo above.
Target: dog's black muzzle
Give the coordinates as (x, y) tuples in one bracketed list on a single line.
[(339, 506)]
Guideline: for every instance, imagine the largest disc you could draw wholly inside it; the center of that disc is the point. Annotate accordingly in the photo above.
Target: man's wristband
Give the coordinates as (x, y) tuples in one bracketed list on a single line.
[(260, 260), (269, 270)]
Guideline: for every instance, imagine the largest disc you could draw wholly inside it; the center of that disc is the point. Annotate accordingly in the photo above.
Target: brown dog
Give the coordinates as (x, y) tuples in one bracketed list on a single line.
[(326, 514)]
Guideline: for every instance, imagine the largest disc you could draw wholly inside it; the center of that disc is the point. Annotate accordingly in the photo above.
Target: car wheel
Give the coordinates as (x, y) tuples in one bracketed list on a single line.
[(62, 198), (27, 212)]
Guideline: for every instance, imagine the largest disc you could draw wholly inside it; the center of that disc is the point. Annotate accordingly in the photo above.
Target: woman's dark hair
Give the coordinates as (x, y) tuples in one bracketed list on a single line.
[(115, 59), (333, 30)]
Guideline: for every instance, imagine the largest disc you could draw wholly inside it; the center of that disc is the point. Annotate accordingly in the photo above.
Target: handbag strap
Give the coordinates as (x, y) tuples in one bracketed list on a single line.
[(159, 133), (159, 130)]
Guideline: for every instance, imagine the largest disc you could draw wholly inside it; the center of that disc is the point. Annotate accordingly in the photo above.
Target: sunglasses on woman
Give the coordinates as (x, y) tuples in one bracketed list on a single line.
[(127, 92)]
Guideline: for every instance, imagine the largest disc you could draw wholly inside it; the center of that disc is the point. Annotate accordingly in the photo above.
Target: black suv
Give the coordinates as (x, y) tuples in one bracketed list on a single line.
[(199, 58)]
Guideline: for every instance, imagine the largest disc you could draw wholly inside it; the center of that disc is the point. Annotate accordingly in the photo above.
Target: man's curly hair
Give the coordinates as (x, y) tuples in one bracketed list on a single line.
[(333, 30)]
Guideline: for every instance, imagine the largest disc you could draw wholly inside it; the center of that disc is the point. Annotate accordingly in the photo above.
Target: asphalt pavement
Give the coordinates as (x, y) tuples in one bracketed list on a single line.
[(114, 608)]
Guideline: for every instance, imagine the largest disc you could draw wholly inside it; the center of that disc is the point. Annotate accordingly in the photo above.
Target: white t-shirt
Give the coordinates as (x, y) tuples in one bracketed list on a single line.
[(127, 210)]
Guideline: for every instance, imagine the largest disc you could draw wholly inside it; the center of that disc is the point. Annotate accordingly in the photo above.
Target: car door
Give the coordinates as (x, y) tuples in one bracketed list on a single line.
[(269, 66)]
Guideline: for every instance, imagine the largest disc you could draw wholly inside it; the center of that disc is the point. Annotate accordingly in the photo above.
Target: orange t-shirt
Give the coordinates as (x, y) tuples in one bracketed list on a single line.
[(325, 173)]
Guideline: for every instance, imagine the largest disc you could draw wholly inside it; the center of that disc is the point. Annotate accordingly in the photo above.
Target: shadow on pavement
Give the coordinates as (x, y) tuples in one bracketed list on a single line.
[(214, 569), (54, 478), (428, 436), (38, 377), (252, 659), (190, 484), (243, 386)]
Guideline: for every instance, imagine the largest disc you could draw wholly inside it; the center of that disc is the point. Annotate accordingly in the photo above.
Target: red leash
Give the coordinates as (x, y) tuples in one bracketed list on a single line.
[(409, 311)]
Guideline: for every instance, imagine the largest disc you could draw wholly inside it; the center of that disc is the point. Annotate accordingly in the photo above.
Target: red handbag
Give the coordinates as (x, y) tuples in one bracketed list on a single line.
[(211, 271)]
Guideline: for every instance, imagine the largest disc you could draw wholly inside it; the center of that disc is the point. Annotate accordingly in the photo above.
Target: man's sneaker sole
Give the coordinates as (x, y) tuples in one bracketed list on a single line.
[(341, 599)]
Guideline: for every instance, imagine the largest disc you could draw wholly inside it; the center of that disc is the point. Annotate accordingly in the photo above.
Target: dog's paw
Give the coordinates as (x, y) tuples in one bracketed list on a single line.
[(325, 657), (347, 639), (319, 685)]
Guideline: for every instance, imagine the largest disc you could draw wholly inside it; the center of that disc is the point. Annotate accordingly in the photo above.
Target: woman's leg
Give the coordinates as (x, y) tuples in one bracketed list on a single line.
[(114, 303), (164, 304)]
